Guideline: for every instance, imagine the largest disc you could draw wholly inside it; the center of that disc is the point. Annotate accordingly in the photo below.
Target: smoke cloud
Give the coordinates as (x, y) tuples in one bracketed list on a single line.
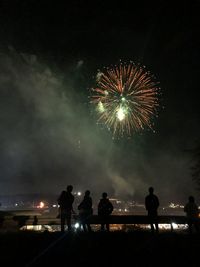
[(49, 138)]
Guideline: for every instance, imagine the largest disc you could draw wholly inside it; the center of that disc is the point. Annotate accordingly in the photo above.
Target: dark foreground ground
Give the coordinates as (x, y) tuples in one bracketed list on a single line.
[(137, 248)]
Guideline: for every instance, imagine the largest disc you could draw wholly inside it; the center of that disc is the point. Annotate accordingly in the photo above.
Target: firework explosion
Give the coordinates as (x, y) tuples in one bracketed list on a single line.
[(126, 97)]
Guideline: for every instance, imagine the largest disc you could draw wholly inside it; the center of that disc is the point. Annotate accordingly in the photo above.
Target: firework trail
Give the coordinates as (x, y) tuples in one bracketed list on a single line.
[(126, 98)]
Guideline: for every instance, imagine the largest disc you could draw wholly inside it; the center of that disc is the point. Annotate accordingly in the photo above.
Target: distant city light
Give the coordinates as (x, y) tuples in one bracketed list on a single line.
[(79, 193), (77, 225), (41, 205), (173, 206), (174, 225)]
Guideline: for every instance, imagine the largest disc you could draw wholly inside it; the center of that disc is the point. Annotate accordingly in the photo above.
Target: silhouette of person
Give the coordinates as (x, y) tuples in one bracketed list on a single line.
[(151, 205), (85, 211), (192, 213), (35, 220), (65, 201), (105, 208)]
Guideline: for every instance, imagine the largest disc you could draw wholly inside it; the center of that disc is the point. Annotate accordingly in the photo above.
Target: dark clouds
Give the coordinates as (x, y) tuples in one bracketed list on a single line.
[(49, 136)]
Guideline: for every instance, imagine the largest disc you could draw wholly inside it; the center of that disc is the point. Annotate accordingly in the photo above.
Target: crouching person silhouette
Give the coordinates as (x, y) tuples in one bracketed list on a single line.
[(105, 208), (85, 211)]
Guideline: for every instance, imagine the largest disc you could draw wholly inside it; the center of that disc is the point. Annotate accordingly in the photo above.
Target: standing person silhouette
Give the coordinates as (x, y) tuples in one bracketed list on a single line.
[(192, 213), (85, 211), (65, 201), (105, 208), (151, 205)]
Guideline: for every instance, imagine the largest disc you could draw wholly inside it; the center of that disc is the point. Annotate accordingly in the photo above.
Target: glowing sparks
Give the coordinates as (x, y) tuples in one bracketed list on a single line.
[(120, 114), (100, 107), (126, 97)]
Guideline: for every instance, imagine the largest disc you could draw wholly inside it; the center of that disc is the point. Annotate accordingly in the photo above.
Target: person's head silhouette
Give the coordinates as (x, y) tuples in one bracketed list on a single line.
[(104, 195), (87, 193), (151, 189), (191, 199), (69, 188)]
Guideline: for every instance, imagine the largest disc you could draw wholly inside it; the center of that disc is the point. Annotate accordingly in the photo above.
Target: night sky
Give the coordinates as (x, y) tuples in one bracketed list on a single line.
[(49, 56)]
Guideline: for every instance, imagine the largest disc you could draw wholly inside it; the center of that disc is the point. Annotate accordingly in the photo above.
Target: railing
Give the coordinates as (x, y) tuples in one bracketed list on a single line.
[(21, 220)]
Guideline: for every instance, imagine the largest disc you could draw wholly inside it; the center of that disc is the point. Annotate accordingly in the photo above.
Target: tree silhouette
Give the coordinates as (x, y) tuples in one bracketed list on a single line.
[(195, 168)]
